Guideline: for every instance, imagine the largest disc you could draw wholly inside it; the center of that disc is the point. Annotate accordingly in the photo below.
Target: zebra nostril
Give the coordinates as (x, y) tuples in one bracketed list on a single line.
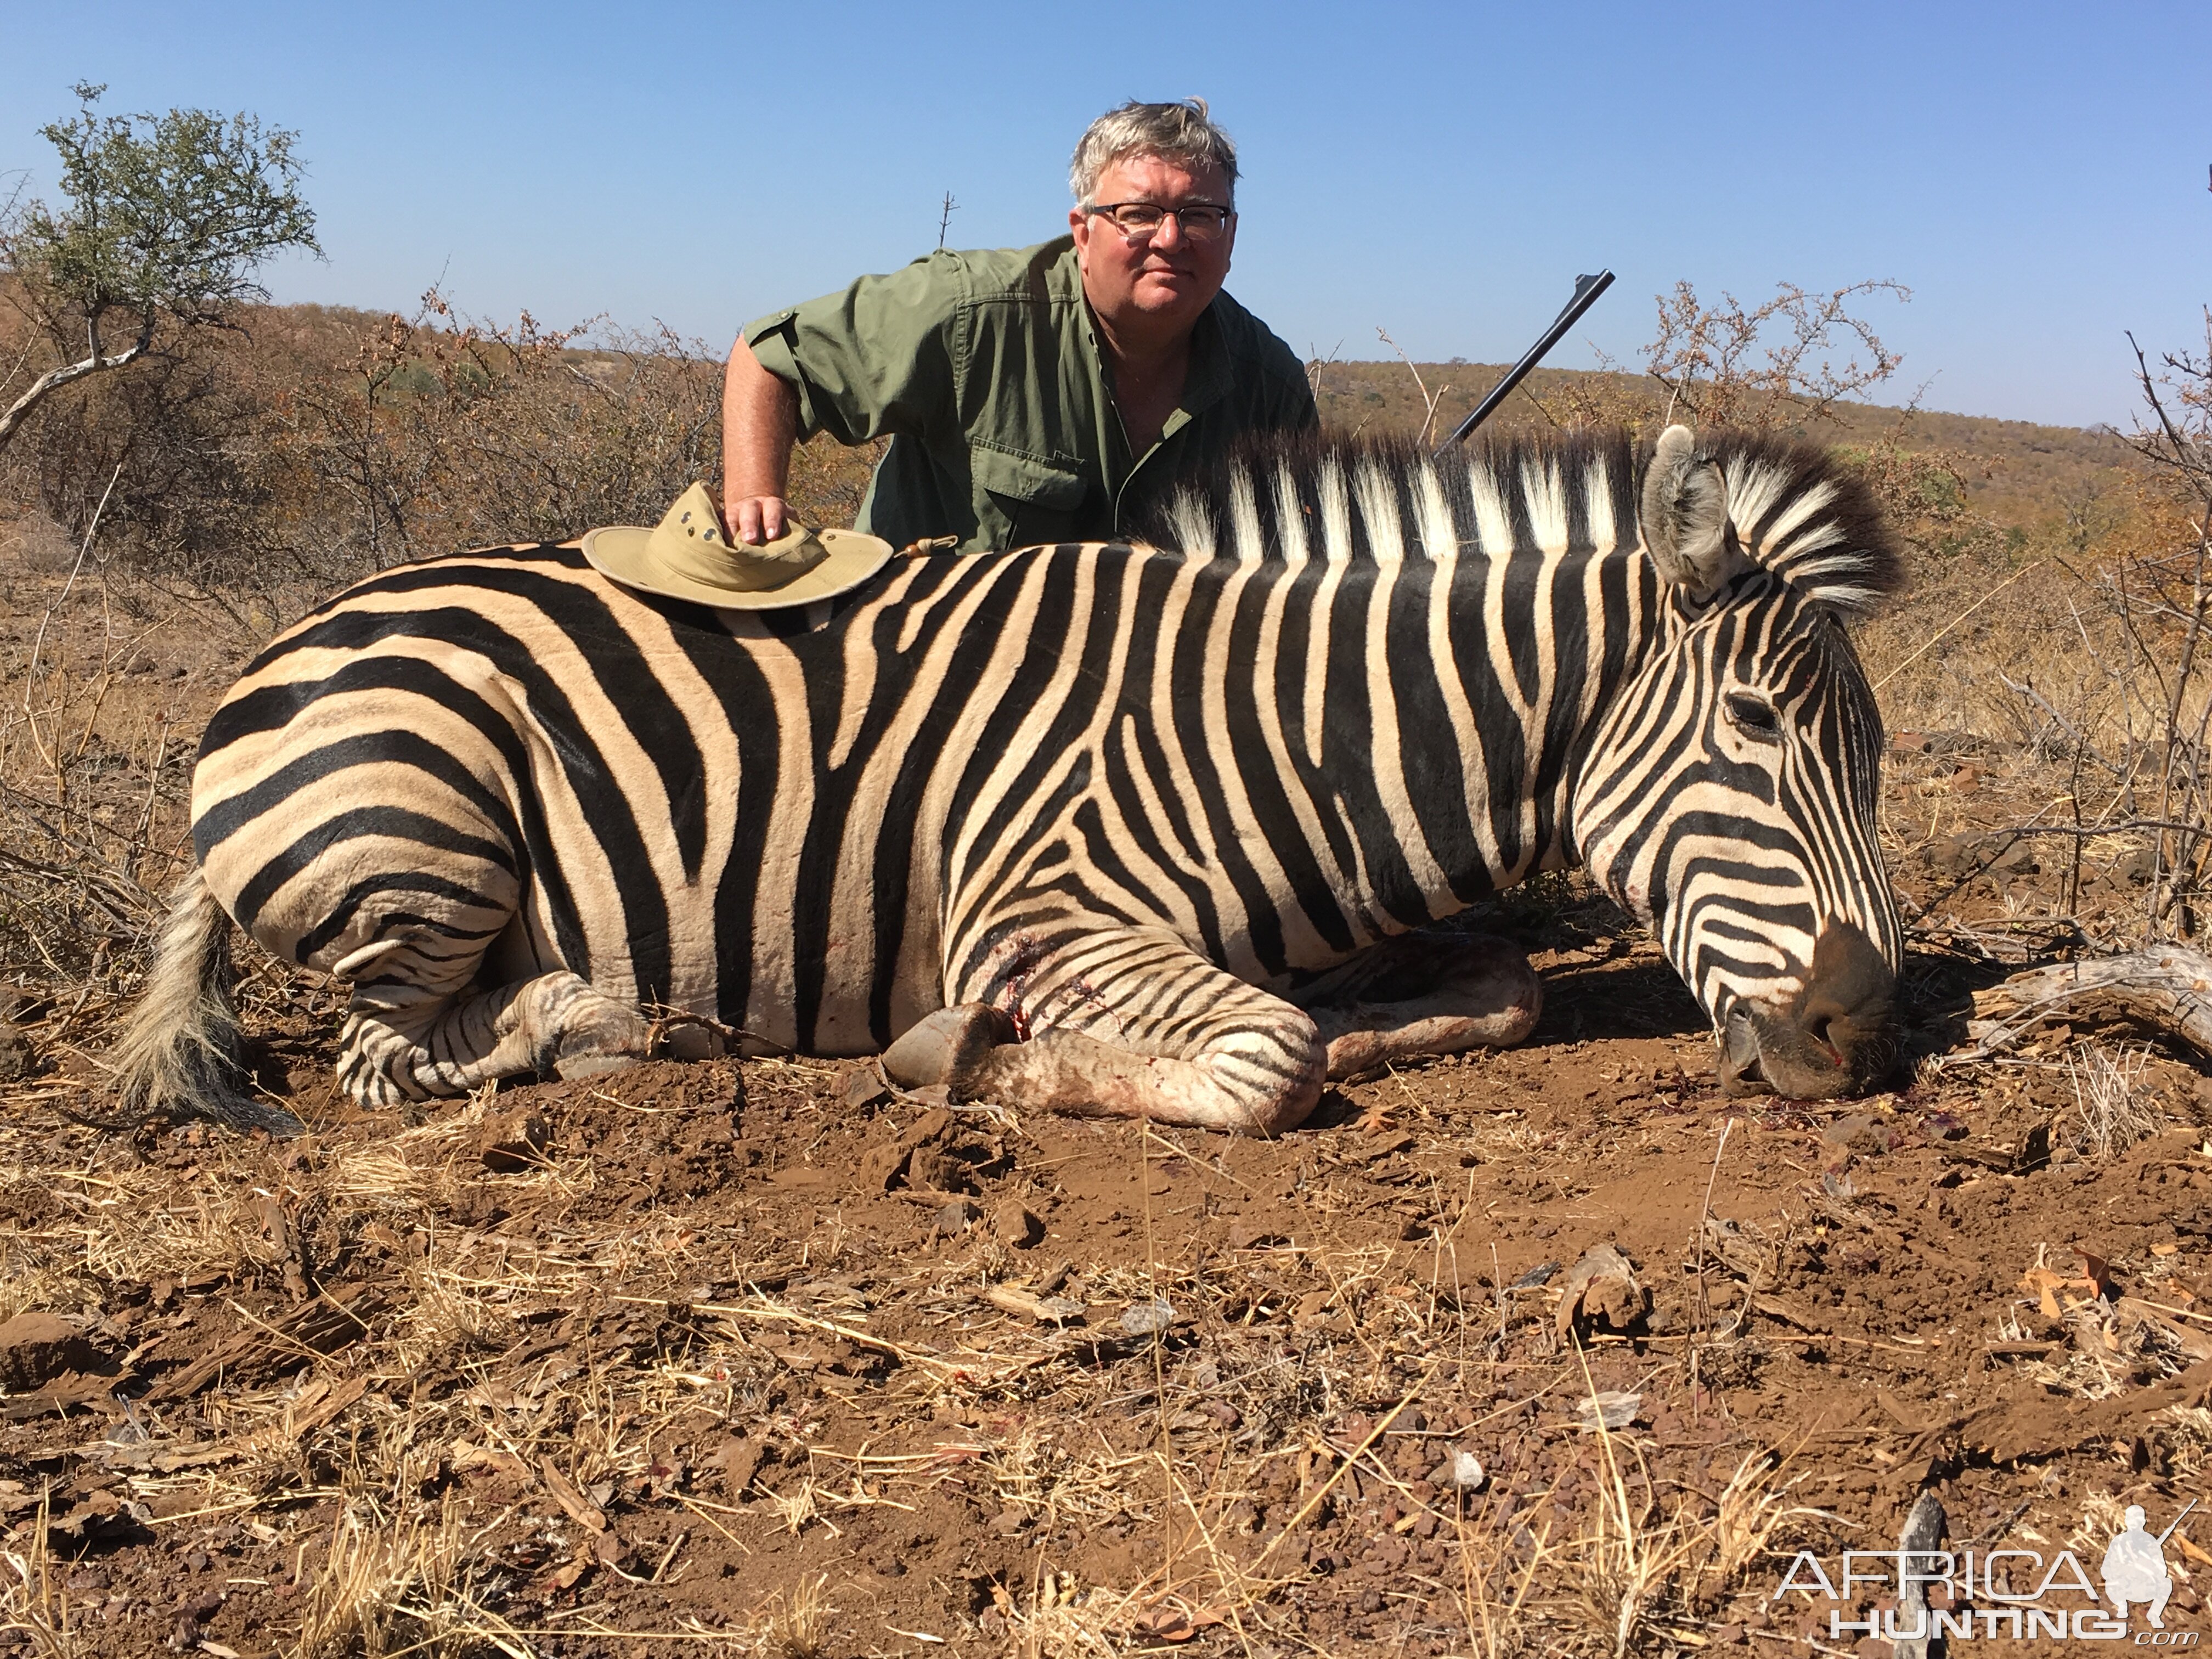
[(1821, 1028)]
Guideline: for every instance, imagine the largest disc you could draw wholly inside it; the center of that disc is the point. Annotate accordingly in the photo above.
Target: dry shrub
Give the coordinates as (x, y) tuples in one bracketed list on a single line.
[(35, 1602), (396, 1585), (2111, 1110), (307, 446)]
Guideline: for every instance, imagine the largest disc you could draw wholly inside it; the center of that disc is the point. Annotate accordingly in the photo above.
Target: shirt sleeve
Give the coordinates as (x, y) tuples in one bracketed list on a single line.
[(872, 361)]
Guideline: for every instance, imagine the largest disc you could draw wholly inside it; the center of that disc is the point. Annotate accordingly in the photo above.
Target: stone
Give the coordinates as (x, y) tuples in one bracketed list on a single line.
[(1147, 1318), (883, 1165), (18, 1059), (1601, 1289), (956, 1217), (1254, 1236), (1015, 1225), (739, 1460), (1856, 1131), (513, 1142), (865, 1086), (929, 1171)]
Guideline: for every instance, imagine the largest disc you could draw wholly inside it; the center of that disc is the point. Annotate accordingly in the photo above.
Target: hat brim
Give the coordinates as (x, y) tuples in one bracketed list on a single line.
[(622, 553)]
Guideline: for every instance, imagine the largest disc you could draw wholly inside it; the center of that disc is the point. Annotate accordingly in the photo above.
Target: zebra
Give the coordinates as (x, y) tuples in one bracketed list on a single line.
[(1150, 829)]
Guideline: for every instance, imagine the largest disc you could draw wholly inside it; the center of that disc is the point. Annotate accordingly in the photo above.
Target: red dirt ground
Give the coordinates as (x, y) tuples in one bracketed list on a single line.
[(657, 1364)]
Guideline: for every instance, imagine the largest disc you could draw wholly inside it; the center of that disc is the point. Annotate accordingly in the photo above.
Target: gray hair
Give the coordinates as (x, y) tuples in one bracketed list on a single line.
[(1181, 132)]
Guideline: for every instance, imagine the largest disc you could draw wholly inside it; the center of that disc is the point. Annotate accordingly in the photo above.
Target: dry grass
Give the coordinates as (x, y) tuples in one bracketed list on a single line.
[(2112, 1110)]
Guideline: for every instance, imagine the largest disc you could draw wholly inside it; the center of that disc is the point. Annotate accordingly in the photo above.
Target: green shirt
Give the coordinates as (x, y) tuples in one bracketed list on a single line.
[(985, 371)]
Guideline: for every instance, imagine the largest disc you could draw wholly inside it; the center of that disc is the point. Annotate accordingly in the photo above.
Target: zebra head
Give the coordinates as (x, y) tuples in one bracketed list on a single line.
[(1729, 798)]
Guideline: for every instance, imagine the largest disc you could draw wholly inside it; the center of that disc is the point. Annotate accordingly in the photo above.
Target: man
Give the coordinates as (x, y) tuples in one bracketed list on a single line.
[(1033, 394)]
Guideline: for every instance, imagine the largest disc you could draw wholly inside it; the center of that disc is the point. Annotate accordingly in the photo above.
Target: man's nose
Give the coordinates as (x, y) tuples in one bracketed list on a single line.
[(1169, 234)]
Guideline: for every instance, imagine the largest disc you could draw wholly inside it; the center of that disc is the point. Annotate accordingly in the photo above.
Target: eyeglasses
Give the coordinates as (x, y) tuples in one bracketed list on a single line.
[(1140, 221)]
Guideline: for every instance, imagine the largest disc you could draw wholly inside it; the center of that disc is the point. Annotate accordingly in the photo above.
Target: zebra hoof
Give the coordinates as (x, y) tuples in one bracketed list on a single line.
[(946, 1045)]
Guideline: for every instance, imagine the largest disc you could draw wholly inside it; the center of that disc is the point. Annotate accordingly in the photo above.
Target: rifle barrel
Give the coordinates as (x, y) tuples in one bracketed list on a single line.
[(1587, 290), (2178, 1520)]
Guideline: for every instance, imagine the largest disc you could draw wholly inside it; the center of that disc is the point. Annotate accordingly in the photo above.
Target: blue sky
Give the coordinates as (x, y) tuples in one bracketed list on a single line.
[(2037, 174)]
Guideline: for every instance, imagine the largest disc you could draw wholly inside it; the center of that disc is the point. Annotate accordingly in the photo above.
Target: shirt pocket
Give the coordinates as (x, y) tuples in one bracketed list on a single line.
[(1023, 499)]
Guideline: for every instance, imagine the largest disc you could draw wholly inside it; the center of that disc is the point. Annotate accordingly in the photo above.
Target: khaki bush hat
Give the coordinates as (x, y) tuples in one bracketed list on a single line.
[(685, 556)]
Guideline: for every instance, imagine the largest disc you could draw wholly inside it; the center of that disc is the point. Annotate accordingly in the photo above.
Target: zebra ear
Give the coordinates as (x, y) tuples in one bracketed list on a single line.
[(1685, 515)]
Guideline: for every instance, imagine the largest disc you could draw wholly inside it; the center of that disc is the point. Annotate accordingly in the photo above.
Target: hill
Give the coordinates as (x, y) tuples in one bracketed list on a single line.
[(2016, 472)]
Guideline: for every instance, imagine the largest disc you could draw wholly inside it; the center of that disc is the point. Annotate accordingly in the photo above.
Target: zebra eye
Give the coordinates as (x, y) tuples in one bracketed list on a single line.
[(1752, 714)]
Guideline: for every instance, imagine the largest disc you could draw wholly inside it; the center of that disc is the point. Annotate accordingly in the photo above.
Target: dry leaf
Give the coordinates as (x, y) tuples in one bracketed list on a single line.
[(1045, 1310), (1173, 1623), (2046, 1285), (2096, 1270), (465, 1457), (565, 1576), (580, 1510)]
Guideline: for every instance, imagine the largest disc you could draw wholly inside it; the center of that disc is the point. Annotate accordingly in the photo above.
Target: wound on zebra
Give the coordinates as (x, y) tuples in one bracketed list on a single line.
[(1149, 829)]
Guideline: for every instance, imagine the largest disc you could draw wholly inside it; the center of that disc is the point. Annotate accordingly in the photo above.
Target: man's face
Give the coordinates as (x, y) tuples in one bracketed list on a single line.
[(1165, 282)]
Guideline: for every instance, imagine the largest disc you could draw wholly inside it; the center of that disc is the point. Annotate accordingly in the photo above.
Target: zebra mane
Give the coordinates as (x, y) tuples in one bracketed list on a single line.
[(1324, 498)]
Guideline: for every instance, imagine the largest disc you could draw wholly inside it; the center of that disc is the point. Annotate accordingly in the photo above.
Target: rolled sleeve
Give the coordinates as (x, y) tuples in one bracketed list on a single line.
[(873, 360)]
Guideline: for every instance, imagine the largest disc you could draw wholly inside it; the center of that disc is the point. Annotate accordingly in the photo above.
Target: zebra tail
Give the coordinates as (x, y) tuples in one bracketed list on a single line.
[(178, 1057)]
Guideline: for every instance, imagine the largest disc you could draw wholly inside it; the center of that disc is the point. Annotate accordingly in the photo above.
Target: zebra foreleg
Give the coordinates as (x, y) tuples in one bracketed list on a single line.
[(1418, 995), (1132, 1023), (398, 1046)]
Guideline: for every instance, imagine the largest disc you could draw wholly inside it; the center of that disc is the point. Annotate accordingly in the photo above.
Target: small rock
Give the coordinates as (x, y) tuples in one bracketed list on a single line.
[(1254, 1235), (865, 1086), (37, 1347), (513, 1142), (1017, 1226), (955, 1216), (18, 1059), (929, 1171), (1601, 1288), (1611, 1410), (1855, 1132), (739, 1460), (880, 1166), (1147, 1318), (1466, 1471)]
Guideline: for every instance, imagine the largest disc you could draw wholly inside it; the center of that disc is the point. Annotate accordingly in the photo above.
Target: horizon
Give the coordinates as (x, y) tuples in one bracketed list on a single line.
[(1995, 163)]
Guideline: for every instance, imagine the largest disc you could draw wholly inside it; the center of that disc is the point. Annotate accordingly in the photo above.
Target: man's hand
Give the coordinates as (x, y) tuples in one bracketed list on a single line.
[(760, 421), (755, 519)]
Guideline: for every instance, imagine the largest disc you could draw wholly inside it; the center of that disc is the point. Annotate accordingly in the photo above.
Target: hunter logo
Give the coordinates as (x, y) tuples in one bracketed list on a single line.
[(2135, 1567), (2005, 1593)]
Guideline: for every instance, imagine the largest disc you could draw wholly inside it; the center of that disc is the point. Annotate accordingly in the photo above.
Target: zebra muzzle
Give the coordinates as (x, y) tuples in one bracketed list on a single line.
[(1839, 1036)]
